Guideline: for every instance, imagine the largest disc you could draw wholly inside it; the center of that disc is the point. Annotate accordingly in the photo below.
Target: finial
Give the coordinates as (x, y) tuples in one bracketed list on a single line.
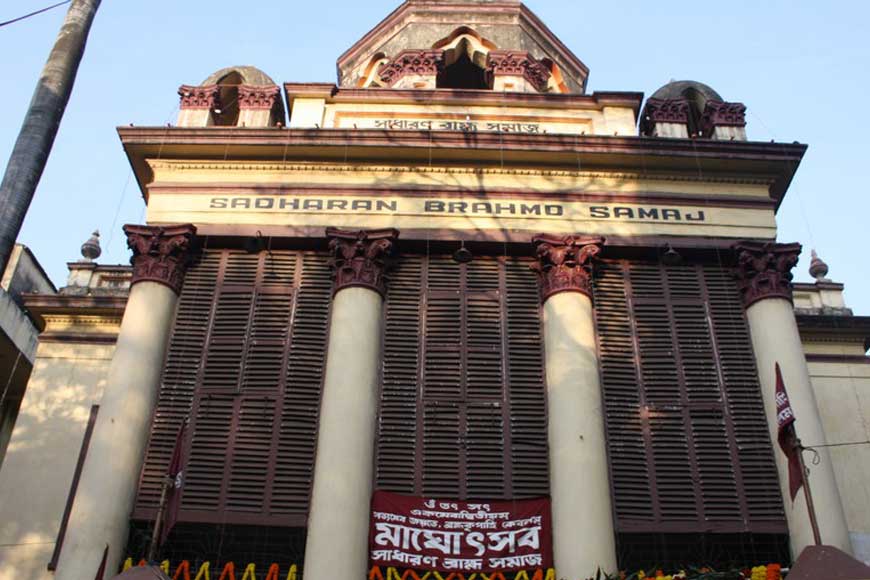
[(818, 269), (91, 249)]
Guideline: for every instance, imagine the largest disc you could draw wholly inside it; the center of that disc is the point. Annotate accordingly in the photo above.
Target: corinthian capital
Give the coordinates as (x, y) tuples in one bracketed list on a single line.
[(565, 263), (764, 270), (359, 258), (160, 253)]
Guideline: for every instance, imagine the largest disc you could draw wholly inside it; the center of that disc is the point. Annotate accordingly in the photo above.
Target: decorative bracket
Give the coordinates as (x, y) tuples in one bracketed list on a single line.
[(160, 253), (359, 258), (565, 263), (764, 270)]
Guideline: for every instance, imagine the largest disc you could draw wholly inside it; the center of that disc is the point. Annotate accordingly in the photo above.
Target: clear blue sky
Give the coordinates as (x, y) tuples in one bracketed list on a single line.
[(800, 66)]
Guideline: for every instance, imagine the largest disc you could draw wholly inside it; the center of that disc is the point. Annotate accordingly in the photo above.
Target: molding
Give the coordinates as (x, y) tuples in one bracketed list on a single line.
[(199, 97), (719, 114), (838, 358), (519, 63), (663, 111), (412, 62), (359, 258), (160, 253), (258, 97), (565, 263), (184, 165), (764, 270)]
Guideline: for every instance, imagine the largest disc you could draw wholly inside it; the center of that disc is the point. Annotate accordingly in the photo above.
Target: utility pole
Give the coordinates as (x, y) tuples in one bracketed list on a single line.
[(41, 123)]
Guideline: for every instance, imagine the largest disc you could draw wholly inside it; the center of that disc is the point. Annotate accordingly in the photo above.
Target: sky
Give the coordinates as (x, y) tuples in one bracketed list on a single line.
[(800, 66)]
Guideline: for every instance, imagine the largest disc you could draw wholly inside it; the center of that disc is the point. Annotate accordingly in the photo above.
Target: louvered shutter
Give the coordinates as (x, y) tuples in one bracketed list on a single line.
[(688, 443), (462, 409), (246, 362)]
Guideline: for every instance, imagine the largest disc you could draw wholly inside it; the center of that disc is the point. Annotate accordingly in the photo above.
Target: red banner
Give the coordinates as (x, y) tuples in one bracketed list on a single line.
[(446, 535)]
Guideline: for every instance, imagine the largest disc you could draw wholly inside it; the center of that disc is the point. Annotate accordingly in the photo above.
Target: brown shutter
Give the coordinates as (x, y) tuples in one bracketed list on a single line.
[(246, 362), (688, 444), (462, 352)]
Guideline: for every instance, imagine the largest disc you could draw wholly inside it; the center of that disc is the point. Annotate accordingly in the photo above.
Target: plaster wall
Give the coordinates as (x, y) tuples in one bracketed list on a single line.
[(37, 471), (842, 392)]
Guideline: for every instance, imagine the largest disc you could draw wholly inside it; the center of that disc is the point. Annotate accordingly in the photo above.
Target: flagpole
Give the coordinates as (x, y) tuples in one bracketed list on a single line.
[(807, 493), (158, 522)]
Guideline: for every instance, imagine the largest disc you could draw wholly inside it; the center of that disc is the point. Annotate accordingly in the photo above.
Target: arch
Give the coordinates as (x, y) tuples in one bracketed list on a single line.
[(465, 58), (228, 113), (556, 84), (369, 75)]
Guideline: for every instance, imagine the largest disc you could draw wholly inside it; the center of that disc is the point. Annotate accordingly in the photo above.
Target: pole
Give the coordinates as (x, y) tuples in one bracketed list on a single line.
[(36, 137), (807, 493), (158, 522)]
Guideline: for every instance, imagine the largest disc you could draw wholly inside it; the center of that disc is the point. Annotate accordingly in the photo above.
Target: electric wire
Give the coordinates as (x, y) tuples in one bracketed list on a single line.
[(40, 11)]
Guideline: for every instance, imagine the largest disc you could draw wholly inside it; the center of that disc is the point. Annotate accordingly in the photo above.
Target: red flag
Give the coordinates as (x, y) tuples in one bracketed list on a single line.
[(175, 481), (786, 436), (101, 571)]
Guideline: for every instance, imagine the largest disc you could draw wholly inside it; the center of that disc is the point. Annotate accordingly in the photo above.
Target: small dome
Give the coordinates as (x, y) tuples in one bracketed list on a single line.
[(250, 76), (686, 90)]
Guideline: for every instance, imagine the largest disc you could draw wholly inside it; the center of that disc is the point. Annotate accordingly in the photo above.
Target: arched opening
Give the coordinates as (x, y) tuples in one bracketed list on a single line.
[(697, 102), (464, 60), (369, 75), (228, 113)]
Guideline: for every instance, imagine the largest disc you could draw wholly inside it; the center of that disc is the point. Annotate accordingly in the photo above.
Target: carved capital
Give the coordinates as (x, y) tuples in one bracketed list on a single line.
[(764, 270), (204, 97), (521, 64), (412, 62), (663, 111), (565, 263), (359, 258), (258, 97), (160, 253), (719, 114)]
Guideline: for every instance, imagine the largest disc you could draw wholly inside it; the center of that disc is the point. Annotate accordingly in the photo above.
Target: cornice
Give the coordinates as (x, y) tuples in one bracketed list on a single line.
[(774, 162), (193, 166)]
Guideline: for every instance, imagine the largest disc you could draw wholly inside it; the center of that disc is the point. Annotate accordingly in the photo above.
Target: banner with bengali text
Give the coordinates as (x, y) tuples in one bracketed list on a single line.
[(446, 535)]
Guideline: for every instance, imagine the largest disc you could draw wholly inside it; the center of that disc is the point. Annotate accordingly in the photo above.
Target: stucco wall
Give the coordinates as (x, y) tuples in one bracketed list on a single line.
[(38, 469), (843, 394)]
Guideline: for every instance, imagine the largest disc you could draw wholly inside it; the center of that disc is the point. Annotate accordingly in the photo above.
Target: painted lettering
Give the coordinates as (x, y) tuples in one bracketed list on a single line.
[(388, 205), (481, 207), (623, 212), (671, 213), (457, 207), (264, 203), (505, 208), (599, 211), (651, 213), (241, 202), (336, 204), (699, 218), (316, 204), (292, 203), (433, 206), (554, 210), (218, 203), (530, 209), (361, 205)]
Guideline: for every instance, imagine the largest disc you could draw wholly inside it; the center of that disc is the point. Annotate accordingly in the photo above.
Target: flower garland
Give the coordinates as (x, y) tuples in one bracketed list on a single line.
[(768, 572)]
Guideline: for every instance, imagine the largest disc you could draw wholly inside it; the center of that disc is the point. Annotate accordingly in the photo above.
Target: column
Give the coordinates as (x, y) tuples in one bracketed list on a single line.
[(107, 487), (764, 277), (197, 103), (583, 535), (257, 105), (338, 519)]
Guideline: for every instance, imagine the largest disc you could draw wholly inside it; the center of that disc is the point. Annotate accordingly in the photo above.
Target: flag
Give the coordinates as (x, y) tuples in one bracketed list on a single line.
[(786, 436), (175, 483), (101, 571)]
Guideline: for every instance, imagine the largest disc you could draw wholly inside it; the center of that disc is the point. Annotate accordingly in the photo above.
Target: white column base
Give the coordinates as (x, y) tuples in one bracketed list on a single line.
[(583, 533), (338, 521), (775, 338)]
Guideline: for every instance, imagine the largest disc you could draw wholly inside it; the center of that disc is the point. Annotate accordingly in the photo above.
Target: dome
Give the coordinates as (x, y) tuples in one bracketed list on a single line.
[(250, 76), (686, 90)]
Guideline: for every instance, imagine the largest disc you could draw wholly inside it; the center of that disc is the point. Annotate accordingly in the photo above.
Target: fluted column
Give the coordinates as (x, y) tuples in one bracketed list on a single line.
[(338, 521), (104, 501), (764, 274), (583, 536)]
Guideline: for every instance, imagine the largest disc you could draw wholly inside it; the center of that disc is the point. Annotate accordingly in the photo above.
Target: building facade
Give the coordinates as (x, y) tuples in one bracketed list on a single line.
[(454, 276)]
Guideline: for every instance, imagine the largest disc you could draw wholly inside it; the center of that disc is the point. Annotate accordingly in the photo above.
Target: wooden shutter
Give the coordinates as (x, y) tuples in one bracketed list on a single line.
[(688, 443), (462, 409), (245, 361)]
